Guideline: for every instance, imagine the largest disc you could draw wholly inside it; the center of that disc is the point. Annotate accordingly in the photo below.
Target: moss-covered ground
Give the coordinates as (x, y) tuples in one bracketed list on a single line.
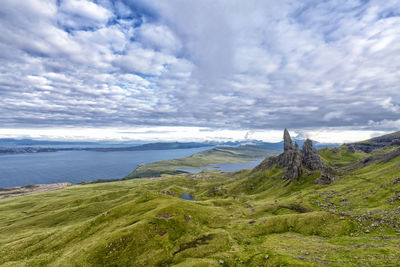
[(241, 219)]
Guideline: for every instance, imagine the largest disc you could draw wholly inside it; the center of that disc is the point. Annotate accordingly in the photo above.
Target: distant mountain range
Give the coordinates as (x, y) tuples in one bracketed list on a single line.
[(11, 142), (16, 146), (51, 147)]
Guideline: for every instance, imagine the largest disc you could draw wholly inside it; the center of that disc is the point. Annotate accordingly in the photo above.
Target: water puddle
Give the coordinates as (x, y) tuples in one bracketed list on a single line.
[(186, 196)]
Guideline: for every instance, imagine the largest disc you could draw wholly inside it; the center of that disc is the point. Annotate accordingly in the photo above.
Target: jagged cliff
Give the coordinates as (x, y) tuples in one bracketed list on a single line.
[(372, 144)]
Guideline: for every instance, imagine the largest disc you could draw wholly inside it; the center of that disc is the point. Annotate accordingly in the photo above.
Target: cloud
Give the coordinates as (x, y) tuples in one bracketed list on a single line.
[(333, 115), (233, 65), (158, 37), (82, 13), (388, 105), (143, 61)]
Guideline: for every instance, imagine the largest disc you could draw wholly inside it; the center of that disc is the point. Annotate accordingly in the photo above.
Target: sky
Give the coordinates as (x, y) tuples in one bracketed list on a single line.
[(179, 70)]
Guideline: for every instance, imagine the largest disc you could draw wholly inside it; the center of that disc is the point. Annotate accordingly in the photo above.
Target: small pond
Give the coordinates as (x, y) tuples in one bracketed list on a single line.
[(186, 196)]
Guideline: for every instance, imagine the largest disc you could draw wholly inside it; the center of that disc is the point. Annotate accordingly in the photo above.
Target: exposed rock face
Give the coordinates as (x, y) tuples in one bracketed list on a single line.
[(377, 142), (293, 159), (351, 148), (325, 178), (382, 158), (395, 142), (287, 141), (311, 159), (294, 164)]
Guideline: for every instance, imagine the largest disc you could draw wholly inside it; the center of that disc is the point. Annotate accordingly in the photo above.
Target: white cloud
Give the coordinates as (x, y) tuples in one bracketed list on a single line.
[(333, 115), (83, 13), (144, 61), (158, 37), (388, 105), (341, 135), (254, 65)]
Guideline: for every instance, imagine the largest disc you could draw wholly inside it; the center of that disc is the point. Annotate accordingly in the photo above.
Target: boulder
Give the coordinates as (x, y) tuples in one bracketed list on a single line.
[(325, 178)]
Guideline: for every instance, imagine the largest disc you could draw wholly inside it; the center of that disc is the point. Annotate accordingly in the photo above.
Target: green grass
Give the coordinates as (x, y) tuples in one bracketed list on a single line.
[(341, 158), (238, 220), (212, 156)]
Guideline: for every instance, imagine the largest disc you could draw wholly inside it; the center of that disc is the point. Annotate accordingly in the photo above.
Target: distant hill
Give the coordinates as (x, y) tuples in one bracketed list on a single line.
[(152, 146)]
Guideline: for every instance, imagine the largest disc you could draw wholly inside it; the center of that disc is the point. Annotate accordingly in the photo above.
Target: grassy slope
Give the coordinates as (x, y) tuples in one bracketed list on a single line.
[(238, 220), (212, 156)]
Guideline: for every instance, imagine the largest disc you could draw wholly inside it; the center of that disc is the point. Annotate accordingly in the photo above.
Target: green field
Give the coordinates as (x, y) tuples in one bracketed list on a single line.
[(205, 158), (249, 218)]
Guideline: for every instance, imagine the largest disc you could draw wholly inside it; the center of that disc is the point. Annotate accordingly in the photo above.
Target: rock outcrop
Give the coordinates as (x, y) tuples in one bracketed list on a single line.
[(375, 143), (294, 159), (294, 167), (395, 142), (310, 157), (287, 141), (351, 148), (382, 158), (325, 178)]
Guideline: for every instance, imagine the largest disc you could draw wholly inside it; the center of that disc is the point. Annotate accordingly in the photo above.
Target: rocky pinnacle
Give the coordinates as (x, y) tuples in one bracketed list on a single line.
[(287, 141), (294, 164), (295, 160), (311, 159)]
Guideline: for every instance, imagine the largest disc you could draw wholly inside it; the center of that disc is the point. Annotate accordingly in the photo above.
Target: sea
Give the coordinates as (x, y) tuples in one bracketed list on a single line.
[(78, 166)]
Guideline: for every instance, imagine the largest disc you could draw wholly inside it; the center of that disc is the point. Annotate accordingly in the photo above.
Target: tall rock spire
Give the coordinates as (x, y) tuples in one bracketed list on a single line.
[(287, 141)]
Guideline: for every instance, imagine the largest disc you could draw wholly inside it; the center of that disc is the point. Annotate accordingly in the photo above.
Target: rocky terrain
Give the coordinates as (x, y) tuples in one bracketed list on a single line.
[(295, 160), (372, 144)]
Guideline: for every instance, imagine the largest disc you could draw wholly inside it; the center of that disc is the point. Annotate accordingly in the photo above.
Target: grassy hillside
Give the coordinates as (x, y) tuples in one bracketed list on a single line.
[(242, 219), (212, 156)]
